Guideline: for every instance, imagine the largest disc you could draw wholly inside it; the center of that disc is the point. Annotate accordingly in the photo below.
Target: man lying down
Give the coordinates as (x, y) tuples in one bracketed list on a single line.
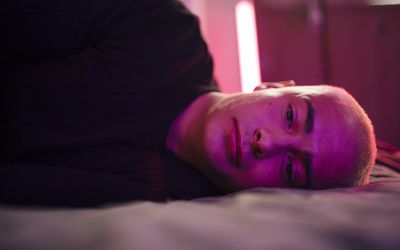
[(114, 101)]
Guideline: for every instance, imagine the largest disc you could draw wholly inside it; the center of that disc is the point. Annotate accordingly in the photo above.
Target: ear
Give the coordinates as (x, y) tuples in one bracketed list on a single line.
[(268, 85)]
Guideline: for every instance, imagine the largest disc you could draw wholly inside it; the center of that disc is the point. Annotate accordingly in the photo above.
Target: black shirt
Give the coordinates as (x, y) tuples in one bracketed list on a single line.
[(89, 90)]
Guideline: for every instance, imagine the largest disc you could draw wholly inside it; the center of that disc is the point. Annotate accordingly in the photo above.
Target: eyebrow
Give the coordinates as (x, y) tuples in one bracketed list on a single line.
[(307, 162), (309, 125)]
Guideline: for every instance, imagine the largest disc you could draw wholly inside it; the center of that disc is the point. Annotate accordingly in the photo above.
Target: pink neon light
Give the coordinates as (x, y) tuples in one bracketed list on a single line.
[(248, 47)]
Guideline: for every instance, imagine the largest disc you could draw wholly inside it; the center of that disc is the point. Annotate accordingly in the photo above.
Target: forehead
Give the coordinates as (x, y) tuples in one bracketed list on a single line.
[(334, 141)]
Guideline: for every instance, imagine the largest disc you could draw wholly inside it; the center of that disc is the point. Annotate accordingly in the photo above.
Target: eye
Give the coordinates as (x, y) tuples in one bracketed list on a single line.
[(289, 168), (289, 117)]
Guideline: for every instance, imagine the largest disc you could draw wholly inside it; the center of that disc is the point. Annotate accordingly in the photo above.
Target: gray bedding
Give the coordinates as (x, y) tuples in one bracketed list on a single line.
[(366, 217)]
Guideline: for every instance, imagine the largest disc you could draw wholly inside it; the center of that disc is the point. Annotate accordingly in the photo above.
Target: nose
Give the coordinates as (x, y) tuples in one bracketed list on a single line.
[(266, 142)]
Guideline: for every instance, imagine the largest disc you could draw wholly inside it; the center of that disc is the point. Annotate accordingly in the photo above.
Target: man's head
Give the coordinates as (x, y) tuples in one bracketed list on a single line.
[(306, 136)]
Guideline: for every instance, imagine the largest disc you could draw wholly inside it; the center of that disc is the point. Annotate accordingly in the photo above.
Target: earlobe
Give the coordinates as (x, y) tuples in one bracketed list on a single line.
[(268, 85)]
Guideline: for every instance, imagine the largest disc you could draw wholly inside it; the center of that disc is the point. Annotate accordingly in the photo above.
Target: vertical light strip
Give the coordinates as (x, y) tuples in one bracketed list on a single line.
[(248, 45)]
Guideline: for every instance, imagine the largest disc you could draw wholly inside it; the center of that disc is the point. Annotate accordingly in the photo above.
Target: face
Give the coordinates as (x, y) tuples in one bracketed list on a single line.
[(287, 137)]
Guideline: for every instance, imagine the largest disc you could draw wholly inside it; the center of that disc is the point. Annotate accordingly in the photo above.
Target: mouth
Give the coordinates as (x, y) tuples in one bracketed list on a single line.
[(235, 148)]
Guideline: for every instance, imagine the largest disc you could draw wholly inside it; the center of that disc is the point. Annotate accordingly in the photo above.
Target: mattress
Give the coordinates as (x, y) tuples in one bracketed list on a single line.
[(366, 217)]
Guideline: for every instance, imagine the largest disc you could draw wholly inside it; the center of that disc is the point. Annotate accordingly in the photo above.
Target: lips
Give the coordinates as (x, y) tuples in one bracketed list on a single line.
[(236, 144)]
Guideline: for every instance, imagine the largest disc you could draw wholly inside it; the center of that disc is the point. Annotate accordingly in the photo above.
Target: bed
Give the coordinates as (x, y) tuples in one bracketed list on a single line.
[(366, 217)]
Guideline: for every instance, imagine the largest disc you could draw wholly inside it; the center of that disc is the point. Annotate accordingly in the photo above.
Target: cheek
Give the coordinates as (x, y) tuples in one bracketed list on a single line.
[(263, 115), (264, 173)]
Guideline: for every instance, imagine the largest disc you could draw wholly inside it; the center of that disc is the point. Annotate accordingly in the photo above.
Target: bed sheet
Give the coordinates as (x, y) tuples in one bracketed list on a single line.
[(366, 217)]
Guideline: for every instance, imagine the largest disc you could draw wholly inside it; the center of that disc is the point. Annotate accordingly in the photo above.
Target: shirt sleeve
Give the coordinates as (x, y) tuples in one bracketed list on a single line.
[(128, 64), (84, 75)]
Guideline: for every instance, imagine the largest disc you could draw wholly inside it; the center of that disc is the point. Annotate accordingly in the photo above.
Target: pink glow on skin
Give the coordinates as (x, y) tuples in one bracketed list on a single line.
[(263, 158), (248, 47)]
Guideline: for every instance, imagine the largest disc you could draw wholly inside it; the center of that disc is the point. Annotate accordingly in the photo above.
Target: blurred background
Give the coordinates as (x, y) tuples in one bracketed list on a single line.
[(354, 44)]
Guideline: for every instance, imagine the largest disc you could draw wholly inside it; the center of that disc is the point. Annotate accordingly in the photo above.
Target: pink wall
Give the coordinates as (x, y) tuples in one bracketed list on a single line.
[(219, 29)]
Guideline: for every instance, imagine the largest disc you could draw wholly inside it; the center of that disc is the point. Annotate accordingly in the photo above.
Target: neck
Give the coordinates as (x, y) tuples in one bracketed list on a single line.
[(185, 135)]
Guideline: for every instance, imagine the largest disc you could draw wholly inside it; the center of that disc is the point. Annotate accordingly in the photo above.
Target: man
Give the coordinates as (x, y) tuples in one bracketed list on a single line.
[(307, 137), (114, 100)]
